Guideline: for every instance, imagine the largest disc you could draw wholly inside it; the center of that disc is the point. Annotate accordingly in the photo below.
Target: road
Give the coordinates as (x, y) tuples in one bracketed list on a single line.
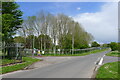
[(108, 59), (80, 67)]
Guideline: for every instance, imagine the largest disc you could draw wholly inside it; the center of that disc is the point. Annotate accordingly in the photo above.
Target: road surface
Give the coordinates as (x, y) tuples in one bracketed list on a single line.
[(80, 67), (108, 59)]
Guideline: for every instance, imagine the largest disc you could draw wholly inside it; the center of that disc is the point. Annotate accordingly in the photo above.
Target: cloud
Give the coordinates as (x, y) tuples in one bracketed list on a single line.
[(78, 8), (67, 0), (103, 25)]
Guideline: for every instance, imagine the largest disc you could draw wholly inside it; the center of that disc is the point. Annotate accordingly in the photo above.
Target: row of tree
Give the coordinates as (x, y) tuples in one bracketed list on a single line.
[(50, 31), (113, 45)]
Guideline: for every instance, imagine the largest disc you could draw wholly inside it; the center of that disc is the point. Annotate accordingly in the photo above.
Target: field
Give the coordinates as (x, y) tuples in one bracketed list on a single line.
[(109, 70)]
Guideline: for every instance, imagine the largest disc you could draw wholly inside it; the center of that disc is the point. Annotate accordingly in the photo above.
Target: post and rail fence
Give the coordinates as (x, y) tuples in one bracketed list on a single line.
[(17, 51)]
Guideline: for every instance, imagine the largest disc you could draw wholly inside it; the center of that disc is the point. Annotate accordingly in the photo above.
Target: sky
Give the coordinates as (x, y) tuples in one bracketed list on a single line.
[(97, 18), (67, 0), (68, 8)]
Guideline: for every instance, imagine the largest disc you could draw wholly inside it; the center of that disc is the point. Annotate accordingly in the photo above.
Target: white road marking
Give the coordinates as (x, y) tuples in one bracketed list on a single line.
[(101, 60)]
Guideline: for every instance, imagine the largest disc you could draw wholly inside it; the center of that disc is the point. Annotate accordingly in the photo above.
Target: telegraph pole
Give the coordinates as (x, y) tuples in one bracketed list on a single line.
[(119, 26), (73, 38), (118, 38)]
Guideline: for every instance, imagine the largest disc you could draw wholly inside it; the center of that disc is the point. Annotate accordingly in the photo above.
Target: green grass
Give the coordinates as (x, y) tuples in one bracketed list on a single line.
[(1, 53), (27, 62), (78, 54), (8, 61), (114, 53), (109, 70)]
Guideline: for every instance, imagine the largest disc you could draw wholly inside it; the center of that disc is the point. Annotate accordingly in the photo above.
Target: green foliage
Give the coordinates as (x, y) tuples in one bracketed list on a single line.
[(105, 45), (0, 22), (114, 46), (114, 53), (11, 19), (59, 29), (46, 40), (37, 41), (119, 47), (81, 38), (95, 44), (7, 0), (19, 39), (29, 41), (66, 41)]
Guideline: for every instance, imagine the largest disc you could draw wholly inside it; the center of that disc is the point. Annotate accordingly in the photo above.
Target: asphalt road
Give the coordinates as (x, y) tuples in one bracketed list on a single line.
[(80, 67), (108, 59)]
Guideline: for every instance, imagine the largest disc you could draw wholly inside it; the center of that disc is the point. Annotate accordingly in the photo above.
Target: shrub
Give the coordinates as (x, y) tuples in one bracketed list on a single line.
[(114, 46), (95, 44)]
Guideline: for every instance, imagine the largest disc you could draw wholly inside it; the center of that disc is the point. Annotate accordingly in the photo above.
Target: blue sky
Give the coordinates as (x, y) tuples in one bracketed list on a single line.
[(97, 18), (68, 8)]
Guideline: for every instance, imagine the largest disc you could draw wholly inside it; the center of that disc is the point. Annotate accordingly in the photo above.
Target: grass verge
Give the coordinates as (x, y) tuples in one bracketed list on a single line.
[(79, 54), (114, 53), (8, 61), (27, 62), (108, 70)]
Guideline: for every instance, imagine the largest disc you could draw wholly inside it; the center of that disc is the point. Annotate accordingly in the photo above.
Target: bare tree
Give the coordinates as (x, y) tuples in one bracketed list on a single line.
[(57, 27)]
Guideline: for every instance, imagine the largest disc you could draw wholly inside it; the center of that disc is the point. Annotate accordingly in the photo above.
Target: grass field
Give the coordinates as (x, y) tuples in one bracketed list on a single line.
[(27, 62), (114, 53), (79, 54), (109, 70)]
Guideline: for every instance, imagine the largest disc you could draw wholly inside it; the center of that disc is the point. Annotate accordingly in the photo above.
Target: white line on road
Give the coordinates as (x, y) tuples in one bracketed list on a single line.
[(98, 63), (101, 60)]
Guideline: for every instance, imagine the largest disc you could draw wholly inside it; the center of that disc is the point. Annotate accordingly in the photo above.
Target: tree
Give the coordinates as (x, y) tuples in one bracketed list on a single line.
[(45, 40), (66, 41), (55, 31), (75, 37), (19, 39), (114, 46), (29, 41), (11, 19), (95, 44), (105, 45), (119, 46)]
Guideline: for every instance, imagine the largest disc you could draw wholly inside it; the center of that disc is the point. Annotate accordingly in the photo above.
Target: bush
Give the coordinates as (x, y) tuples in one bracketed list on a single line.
[(95, 44), (113, 53), (119, 46), (114, 46)]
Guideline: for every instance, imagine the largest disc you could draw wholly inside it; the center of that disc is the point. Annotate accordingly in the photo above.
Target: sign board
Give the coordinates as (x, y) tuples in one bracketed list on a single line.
[(43, 52), (59, 50)]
